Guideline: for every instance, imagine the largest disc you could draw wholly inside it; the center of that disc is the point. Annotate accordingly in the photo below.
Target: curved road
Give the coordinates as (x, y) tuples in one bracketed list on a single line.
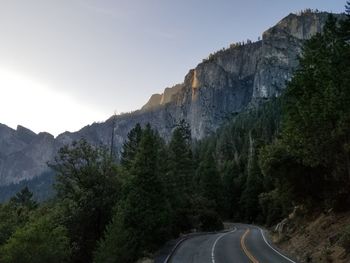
[(242, 244)]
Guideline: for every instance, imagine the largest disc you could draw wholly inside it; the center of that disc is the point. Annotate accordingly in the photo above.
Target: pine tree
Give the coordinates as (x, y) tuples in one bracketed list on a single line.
[(180, 159), (250, 197), (130, 146), (148, 207), (179, 178), (316, 123), (16, 213), (210, 184), (141, 222), (232, 189), (24, 198)]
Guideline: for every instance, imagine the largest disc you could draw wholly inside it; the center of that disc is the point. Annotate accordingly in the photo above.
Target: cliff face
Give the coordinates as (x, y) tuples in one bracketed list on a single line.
[(24, 154), (225, 83), (280, 50), (233, 79)]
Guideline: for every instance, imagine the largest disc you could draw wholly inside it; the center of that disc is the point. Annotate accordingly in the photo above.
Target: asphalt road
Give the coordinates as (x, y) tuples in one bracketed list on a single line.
[(242, 244)]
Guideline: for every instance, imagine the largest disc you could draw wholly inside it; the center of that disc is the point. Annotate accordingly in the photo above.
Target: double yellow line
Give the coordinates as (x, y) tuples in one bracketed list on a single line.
[(246, 251)]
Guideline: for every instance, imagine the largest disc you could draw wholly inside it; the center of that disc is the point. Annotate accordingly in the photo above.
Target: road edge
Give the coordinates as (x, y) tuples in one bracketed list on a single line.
[(189, 236), (274, 247), (175, 248)]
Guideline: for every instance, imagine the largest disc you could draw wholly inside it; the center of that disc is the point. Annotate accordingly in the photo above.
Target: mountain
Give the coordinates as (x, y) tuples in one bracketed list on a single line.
[(227, 82)]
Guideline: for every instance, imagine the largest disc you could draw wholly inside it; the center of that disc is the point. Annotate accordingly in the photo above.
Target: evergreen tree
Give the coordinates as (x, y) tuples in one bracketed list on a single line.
[(180, 159), (232, 190), (15, 213), (317, 113), (24, 198), (130, 146), (179, 179), (250, 196), (209, 181), (141, 221)]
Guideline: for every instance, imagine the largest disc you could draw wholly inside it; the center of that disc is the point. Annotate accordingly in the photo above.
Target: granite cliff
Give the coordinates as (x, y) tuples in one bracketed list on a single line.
[(225, 83)]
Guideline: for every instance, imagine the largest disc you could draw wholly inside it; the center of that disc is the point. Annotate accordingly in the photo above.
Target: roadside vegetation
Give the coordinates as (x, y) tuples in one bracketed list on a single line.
[(289, 151)]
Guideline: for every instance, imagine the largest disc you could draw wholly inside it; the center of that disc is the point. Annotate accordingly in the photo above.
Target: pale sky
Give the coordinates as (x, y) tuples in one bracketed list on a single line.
[(68, 63)]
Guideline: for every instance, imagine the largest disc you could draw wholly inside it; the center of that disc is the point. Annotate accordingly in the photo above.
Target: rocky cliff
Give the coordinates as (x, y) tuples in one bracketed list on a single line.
[(225, 83), (24, 154)]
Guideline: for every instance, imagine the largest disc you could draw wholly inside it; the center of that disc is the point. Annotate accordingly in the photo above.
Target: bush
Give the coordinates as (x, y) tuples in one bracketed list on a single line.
[(37, 242)]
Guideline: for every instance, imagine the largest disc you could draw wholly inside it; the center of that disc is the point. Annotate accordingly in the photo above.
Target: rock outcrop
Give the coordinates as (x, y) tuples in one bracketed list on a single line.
[(227, 82), (241, 75)]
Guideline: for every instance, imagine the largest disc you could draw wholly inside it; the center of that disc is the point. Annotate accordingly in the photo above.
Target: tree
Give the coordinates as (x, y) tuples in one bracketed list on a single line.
[(40, 241), (24, 198), (141, 221), (15, 213), (130, 146), (209, 181), (148, 207), (208, 201), (87, 189), (180, 159), (317, 115), (232, 189), (179, 178), (250, 195)]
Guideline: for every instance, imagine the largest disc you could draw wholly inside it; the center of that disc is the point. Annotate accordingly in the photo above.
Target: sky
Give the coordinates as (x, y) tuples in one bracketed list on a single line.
[(65, 64)]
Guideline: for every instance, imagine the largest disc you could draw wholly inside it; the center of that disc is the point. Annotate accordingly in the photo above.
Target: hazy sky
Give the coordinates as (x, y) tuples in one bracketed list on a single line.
[(67, 63)]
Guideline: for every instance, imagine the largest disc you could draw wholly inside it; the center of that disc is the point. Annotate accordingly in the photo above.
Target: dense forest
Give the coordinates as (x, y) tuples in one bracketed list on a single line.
[(288, 151)]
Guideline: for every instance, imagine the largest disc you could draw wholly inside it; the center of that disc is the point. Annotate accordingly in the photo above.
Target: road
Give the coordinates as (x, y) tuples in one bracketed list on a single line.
[(242, 244)]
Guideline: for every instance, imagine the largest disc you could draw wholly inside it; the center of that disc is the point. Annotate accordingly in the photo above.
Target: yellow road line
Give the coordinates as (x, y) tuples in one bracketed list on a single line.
[(246, 251)]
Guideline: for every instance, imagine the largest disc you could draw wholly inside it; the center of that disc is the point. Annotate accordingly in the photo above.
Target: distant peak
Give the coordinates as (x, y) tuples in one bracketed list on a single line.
[(23, 129), (164, 98), (153, 101)]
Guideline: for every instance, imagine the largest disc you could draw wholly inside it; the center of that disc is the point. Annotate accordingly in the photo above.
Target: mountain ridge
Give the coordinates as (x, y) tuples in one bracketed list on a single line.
[(227, 82)]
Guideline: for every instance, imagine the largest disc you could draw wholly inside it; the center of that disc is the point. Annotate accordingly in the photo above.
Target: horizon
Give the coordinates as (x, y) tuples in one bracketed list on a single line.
[(87, 62)]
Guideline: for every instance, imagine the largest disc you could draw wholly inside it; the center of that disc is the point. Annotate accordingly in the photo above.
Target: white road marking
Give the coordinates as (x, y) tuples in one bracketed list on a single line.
[(173, 250), (216, 241), (262, 233)]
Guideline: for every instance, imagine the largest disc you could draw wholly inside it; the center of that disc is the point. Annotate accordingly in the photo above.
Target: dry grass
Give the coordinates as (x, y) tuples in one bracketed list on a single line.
[(316, 238)]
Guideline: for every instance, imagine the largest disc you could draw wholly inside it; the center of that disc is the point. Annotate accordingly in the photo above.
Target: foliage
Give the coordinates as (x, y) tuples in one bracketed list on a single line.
[(209, 181), (179, 177), (39, 241), (24, 198), (130, 146), (204, 215), (87, 188), (235, 148), (309, 162), (275, 205), (141, 222), (15, 213), (118, 242), (316, 124), (180, 159)]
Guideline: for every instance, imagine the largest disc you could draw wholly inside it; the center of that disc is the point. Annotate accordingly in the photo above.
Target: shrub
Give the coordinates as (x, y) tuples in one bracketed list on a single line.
[(37, 242)]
